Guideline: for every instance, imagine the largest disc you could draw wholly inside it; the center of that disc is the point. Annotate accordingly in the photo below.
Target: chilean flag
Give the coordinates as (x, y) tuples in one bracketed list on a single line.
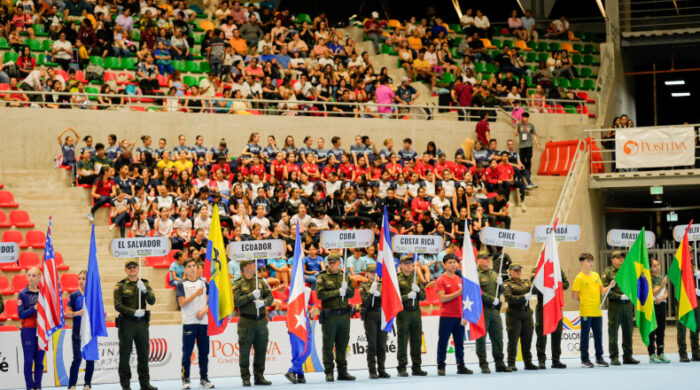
[(386, 270), (548, 281), (472, 306), (298, 324)]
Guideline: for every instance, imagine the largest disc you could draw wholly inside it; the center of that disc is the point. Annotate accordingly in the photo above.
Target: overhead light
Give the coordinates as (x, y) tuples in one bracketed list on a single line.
[(657, 199), (680, 94), (601, 7), (674, 82)]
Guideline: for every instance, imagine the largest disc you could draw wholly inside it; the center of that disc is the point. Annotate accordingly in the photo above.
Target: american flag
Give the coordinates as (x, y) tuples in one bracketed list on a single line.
[(50, 307)]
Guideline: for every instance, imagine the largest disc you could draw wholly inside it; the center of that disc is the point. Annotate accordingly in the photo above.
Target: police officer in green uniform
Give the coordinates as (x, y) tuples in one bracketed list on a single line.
[(518, 317), (408, 321), (133, 324), (371, 294), (490, 282), (334, 290), (541, 344), (620, 314), (252, 301), (681, 329)]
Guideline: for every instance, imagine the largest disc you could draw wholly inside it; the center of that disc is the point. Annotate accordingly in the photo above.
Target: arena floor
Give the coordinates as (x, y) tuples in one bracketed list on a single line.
[(643, 376)]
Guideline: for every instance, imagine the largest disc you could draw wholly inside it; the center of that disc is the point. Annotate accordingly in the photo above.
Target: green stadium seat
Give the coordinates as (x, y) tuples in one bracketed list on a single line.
[(10, 56), (113, 63), (479, 67), (564, 83), (92, 90), (508, 42), (47, 44), (588, 84), (531, 57), (3, 44), (590, 49), (555, 82), (529, 81), (198, 38), (204, 67), (387, 49), (97, 60), (491, 68), (588, 59), (542, 46), (532, 45), (189, 80), (39, 30), (578, 47), (585, 72), (457, 41), (456, 27), (179, 65), (196, 53), (577, 59), (576, 84), (136, 34), (554, 46), (191, 66), (447, 78), (498, 43), (455, 54), (543, 57), (303, 18), (129, 63), (34, 44), (570, 109)]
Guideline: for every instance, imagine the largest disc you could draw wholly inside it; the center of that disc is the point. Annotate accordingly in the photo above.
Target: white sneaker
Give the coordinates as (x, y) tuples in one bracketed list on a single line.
[(71, 388), (186, 384), (205, 384), (91, 217), (111, 227), (86, 387), (522, 206)]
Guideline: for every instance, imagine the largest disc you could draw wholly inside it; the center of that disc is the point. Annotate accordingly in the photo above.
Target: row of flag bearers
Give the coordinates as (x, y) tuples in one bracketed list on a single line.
[(469, 291)]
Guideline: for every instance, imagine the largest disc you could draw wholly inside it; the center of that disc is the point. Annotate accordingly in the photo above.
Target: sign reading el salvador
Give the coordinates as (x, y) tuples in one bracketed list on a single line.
[(9, 252), (417, 244), (139, 247), (651, 147), (255, 250), (341, 239), (505, 238), (625, 238), (693, 233), (566, 233)]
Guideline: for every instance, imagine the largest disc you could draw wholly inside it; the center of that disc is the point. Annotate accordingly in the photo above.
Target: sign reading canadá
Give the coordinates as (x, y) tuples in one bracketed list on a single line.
[(255, 250), (566, 233), (341, 239), (417, 244), (625, 238), (139, 247), (505, 238), (9, 252)]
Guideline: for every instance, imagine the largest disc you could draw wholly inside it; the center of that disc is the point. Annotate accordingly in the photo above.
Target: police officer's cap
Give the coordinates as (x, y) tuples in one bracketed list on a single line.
[(617, 254), (407, 259), (131, 262), (515, 266), (333, 257), (371, 268), (245, 263)]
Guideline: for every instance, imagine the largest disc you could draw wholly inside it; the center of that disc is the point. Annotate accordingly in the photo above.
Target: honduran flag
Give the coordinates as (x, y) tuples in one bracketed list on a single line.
[(472, 305), (386, 270), (92, 323), (298, 324)]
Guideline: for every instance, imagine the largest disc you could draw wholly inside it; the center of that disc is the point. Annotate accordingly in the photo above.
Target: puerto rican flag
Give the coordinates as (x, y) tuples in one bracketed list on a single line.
[(298, 324), (50, 306), (472, 305), (386, 270), (548, 281)]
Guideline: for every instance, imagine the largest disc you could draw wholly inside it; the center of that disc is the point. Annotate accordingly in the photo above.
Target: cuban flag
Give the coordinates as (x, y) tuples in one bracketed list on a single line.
[(386, 270), (92, 323), (50, 306), (472, 306), (548, 281), (298, 324)]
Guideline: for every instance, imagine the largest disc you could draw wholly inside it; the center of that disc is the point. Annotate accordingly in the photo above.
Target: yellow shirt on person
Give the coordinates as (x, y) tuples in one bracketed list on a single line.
[(183, 165), (414, 43), (588, 288), (421, 64), (162, 164)]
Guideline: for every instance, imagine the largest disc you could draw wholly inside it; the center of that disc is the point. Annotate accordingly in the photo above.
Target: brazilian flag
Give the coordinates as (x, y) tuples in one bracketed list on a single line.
[(634, 280)]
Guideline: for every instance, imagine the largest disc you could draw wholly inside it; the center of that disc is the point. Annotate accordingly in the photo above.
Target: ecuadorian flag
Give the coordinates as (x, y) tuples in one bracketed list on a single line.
[(680, 273), (634, 280), (216, 273)]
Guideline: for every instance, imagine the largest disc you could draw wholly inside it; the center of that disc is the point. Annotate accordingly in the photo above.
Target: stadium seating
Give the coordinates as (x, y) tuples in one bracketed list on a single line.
[(4, 222), (14, 236), (10, 311), (19, 282), (69, 282), (5, 287), (7, 200), (36, 239), (20, 219), (28, 260)]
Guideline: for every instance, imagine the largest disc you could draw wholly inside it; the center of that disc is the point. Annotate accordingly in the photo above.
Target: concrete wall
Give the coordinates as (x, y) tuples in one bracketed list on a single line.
[(29, 135)]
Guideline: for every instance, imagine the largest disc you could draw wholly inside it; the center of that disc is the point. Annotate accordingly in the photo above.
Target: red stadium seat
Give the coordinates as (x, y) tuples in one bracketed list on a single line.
[(8, 328), (69, 282), (60, 265), (111, 324), (20, 219), (7, 200), (431, 297), (5, 288), (19, 282), (11, 310), (162, 80), (10, 267), (157, 262), (14, 236), (36, 239), (28, 260), (138, 108), (80, 76), (167, 281), (109, 76), (356, 299), (65, 302), (4, 223)]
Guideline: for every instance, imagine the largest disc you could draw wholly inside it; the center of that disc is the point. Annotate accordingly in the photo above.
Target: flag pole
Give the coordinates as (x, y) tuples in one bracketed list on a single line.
[(255, 261), (139, 281), (602, 302), (500, 269), (415, 271), (345, 264)]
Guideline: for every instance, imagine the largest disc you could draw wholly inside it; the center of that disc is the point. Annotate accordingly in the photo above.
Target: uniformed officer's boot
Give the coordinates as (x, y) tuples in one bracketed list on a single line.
[(127, 386), (542, 365), (696, 358), (684, 358), (373, 373), (147, 386), (485, 369), (291, 377), (345, 376), (382, 372), (630, 360), (511, 367), (261, 381), (558, 364), (501, 367), (245, 381), (441, 370), (403, 373), (416, 371), (614, 361), (529, 366), (462, 370), (330, 377), (300, 378)]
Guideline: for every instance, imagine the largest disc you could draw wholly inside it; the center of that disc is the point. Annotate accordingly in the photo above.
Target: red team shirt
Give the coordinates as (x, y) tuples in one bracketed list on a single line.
[(453, 308), (505, 171), (278, 169)]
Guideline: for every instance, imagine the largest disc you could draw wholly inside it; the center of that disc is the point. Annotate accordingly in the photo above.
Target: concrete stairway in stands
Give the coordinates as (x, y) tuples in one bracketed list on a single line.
[(540, 204), (48, 192)]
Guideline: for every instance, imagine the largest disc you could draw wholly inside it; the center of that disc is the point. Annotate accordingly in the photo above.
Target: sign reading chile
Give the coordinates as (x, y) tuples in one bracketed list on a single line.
[(139, 247), (505, 238)]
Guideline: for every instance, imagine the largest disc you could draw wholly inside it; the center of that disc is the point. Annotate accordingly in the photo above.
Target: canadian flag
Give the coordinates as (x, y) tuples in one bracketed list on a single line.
[(548, 282)]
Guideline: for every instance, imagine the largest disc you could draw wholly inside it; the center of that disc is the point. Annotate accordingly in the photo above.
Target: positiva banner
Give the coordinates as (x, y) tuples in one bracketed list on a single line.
[(165, 355), (652, 147)]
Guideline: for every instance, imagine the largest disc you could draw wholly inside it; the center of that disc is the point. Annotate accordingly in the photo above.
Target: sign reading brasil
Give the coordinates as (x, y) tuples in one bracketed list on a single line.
[(693, 233), (625, 238), (9, 252), (139, 247), (341, 239), (566, 233), (417, 244), (256, 250), (505, 238)]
